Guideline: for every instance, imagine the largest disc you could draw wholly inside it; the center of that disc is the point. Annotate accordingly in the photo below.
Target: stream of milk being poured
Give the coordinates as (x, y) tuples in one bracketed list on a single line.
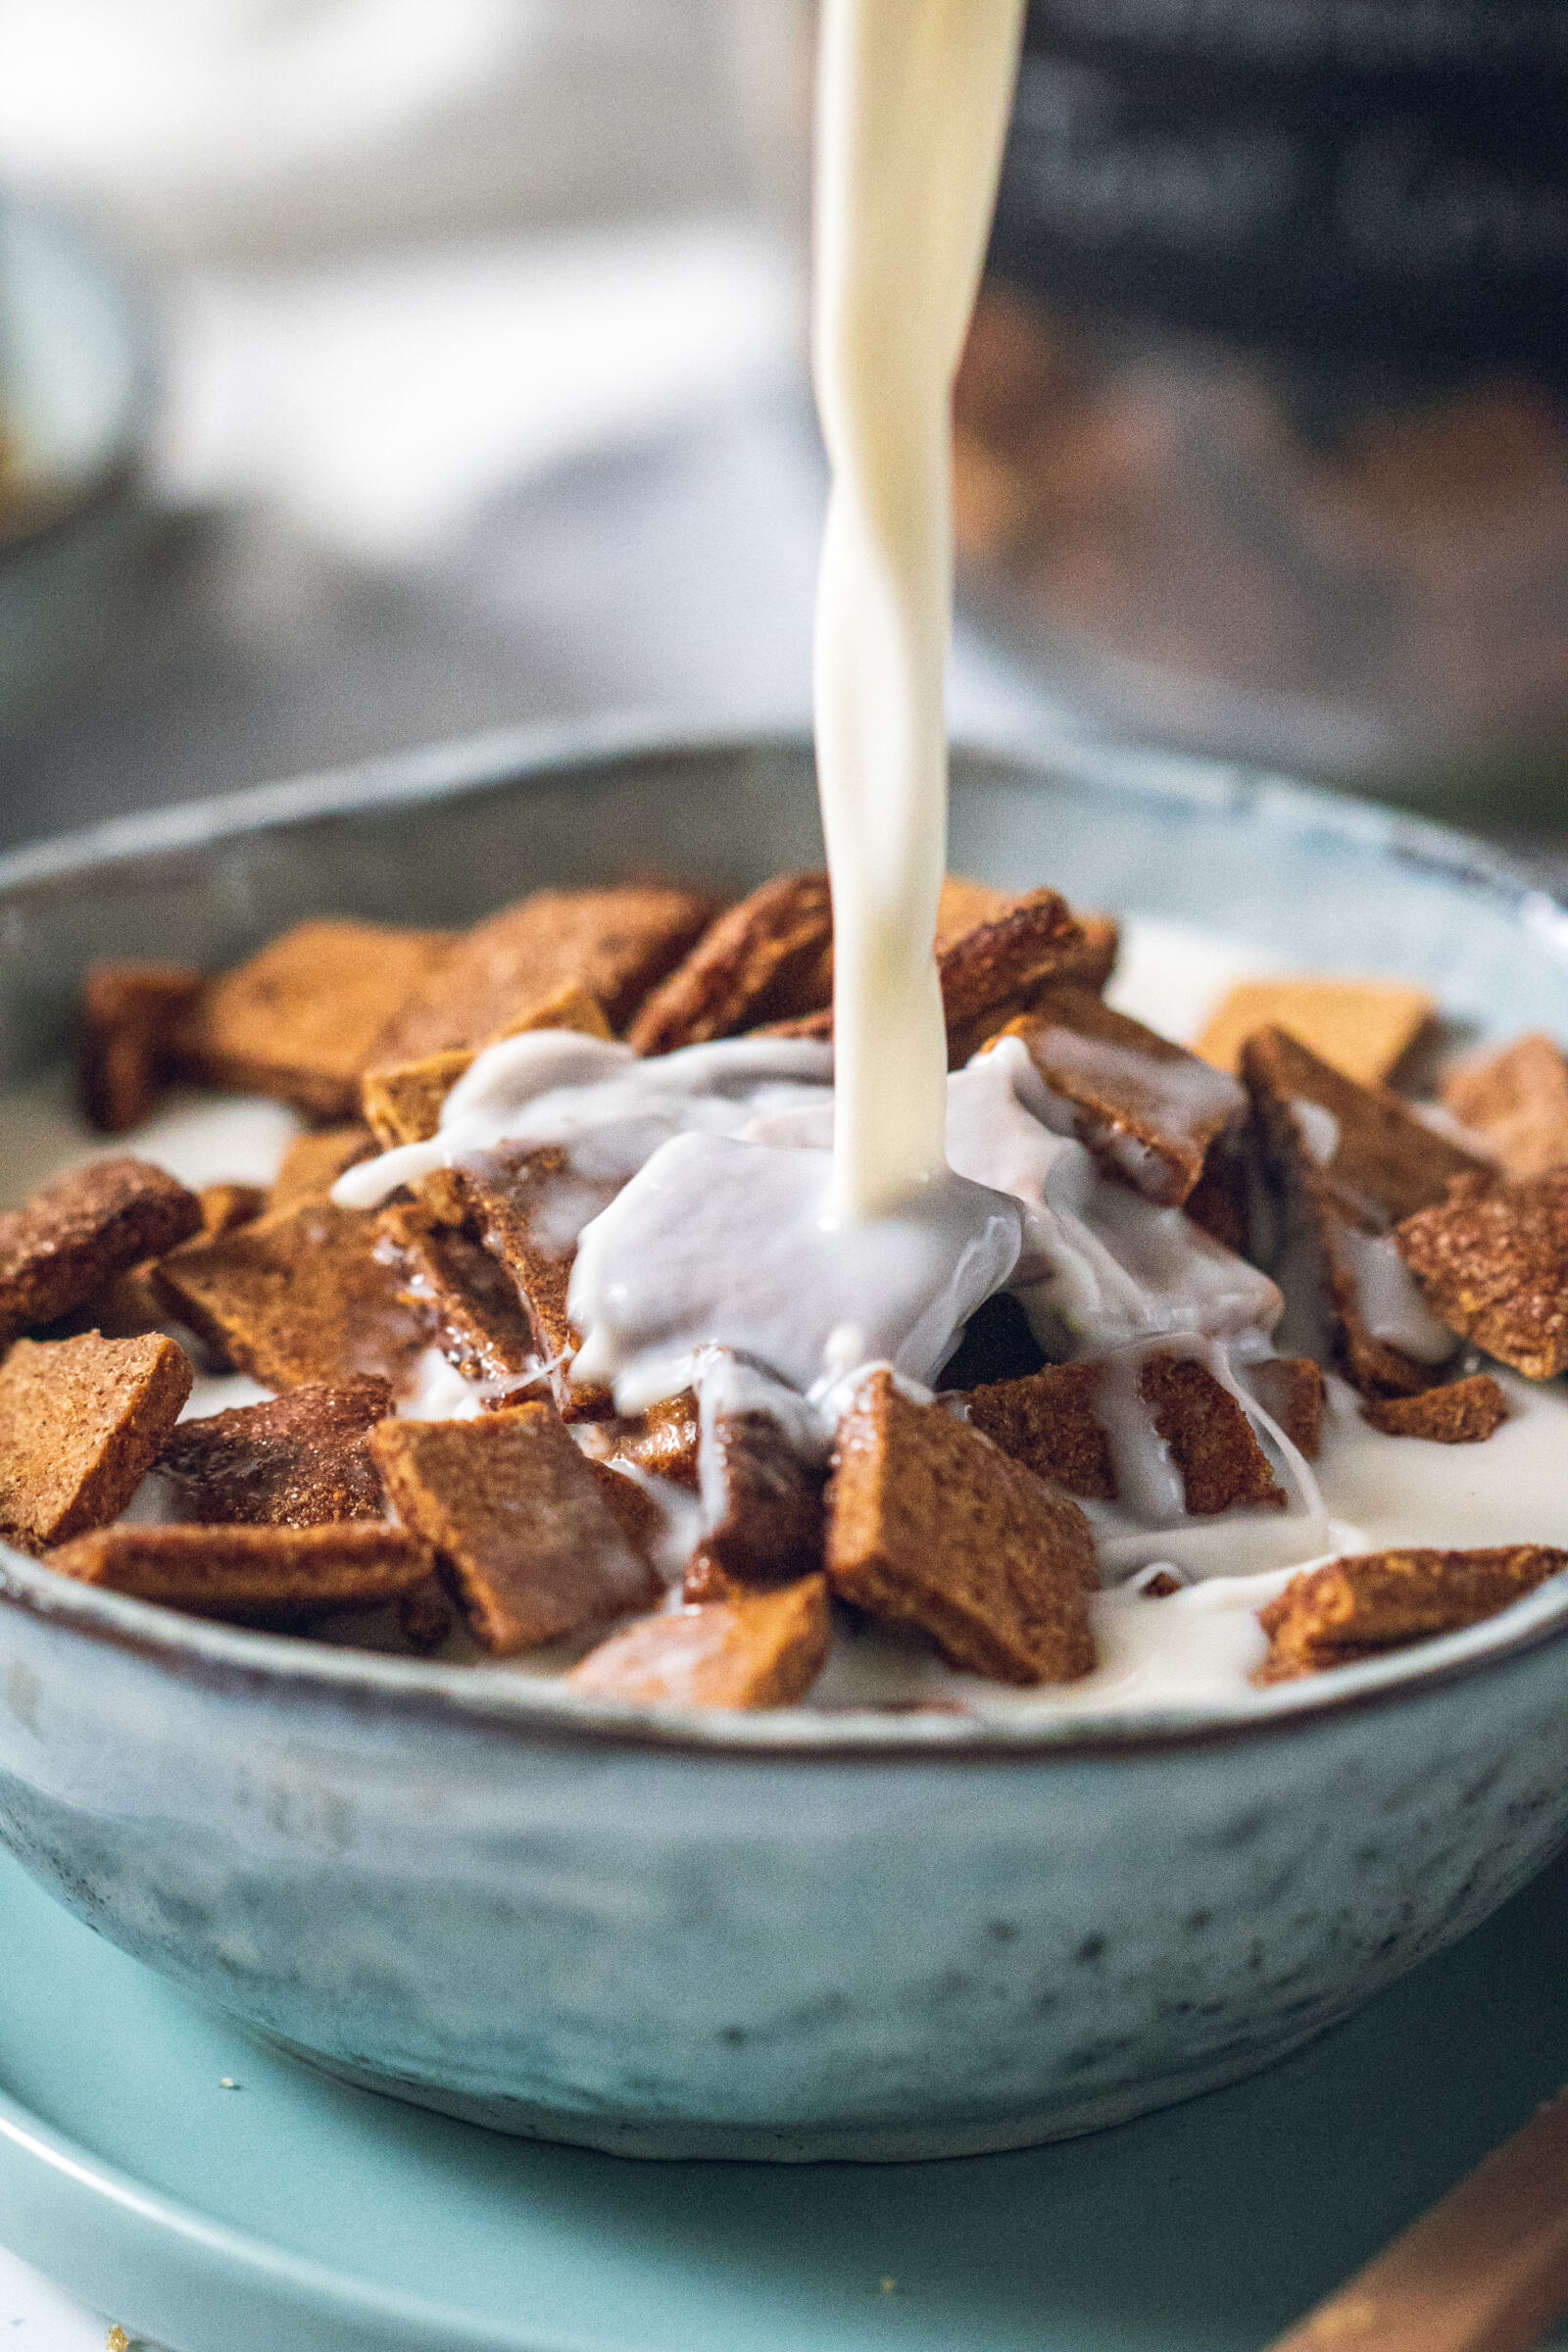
[(912, 112)]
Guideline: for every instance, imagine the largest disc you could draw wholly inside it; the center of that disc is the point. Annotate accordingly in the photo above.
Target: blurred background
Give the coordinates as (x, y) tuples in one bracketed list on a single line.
[(377, 371)]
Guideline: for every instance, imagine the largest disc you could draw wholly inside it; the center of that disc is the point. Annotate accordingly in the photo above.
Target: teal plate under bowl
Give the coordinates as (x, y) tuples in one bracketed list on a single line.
[(293, 2212)]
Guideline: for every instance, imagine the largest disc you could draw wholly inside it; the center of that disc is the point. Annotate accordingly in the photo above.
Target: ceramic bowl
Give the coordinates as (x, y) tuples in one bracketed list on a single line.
[(787, 1936)]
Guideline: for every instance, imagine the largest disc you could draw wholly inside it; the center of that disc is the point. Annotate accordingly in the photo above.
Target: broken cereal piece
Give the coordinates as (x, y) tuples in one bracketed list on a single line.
[(526, 1538), (1147, 1109), (402, 1101), (129, 1013), (301, 1020), (750, 1650), (81, 1423), (1361, 1028), (1289, 1389), (1493, 1261), (1381, 1600), (313, 1163), (528, 1206), (929, 1524), (1351, 1161), (1046, 1421), (617, 944), (1465, 1413), (298, 1298), (761, 1504), (70, 1241), (264, 1576), (770, 959), (1211, 1441), (1518, 1100), (465, 1300), (299, 1460)]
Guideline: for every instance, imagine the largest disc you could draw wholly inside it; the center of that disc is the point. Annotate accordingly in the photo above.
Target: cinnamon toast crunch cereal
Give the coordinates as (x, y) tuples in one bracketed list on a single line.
[(276, 1577), (747, 1649), (81, 1421)]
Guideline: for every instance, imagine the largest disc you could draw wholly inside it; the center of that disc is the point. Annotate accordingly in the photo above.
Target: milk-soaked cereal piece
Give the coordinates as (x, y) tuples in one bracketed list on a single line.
[(278, 1577), (1147, 1109), (301, 1020), (129, 1013), (762, 1502), (302, 1460), (70, 1240), (1291, 1391), (617, 944), (1361, 1028), (1047, 1420), (747, 1649), (465, 1300), (297, 1297), (81, 1421), (1211, 1441), (1466, 1412), (1517, 1099), (526, 1538), (1492, 1262), (1361, 1607), (931, 1525), (769, 958), (402, 1101)]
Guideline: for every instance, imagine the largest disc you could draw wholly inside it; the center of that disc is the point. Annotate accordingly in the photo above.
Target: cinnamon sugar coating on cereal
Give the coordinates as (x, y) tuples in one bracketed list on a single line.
[(525, 1539), (1047, 1420), (617, 944), (129, 1013), (1361, 1607), (1517, 1101), (464, 1299), (300, 1020), (1213, 1445), (313, 1163), (301, 1459), (1492, 1262), (81, 1421), (297, 1298), (275, 1577), (1146, 1109), (769, 958), (1466, 1412), (931, 1525), (1291, 1391), (747, 1649), (402, 1101), (762, 1505), (70, 1240)]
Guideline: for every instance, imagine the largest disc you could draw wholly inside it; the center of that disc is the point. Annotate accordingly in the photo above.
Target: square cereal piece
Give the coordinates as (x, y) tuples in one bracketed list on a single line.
[(750, 1650), (1361, 1028), (1350, 1160), (1492, 1262), (617, 944), (299, 1299), (81, 1421), (1222, 1465), (1381, 1600), (770, 959), (1517, 1101), (278, 1577), (527, 1207), (129, 1013), (70, 1241), (313, 1163), (763, 1521), (129, 1303), (402, 1101), (931, 1525), (301, 1020), (299, 1460), (1046, 1421), (1291, 1391), (1147, 1109), (525, 1536), (1466, 1412), (464, 1299)]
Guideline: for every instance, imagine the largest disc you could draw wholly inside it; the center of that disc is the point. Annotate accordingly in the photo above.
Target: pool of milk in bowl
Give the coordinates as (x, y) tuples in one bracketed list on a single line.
[(1193, 1649)]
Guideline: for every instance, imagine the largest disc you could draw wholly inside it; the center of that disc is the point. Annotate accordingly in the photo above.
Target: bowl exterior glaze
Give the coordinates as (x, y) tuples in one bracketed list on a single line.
[(883, 1940)]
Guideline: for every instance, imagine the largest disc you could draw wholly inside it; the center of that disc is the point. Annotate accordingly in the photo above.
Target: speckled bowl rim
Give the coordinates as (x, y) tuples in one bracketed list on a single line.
[(507, 1702)]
